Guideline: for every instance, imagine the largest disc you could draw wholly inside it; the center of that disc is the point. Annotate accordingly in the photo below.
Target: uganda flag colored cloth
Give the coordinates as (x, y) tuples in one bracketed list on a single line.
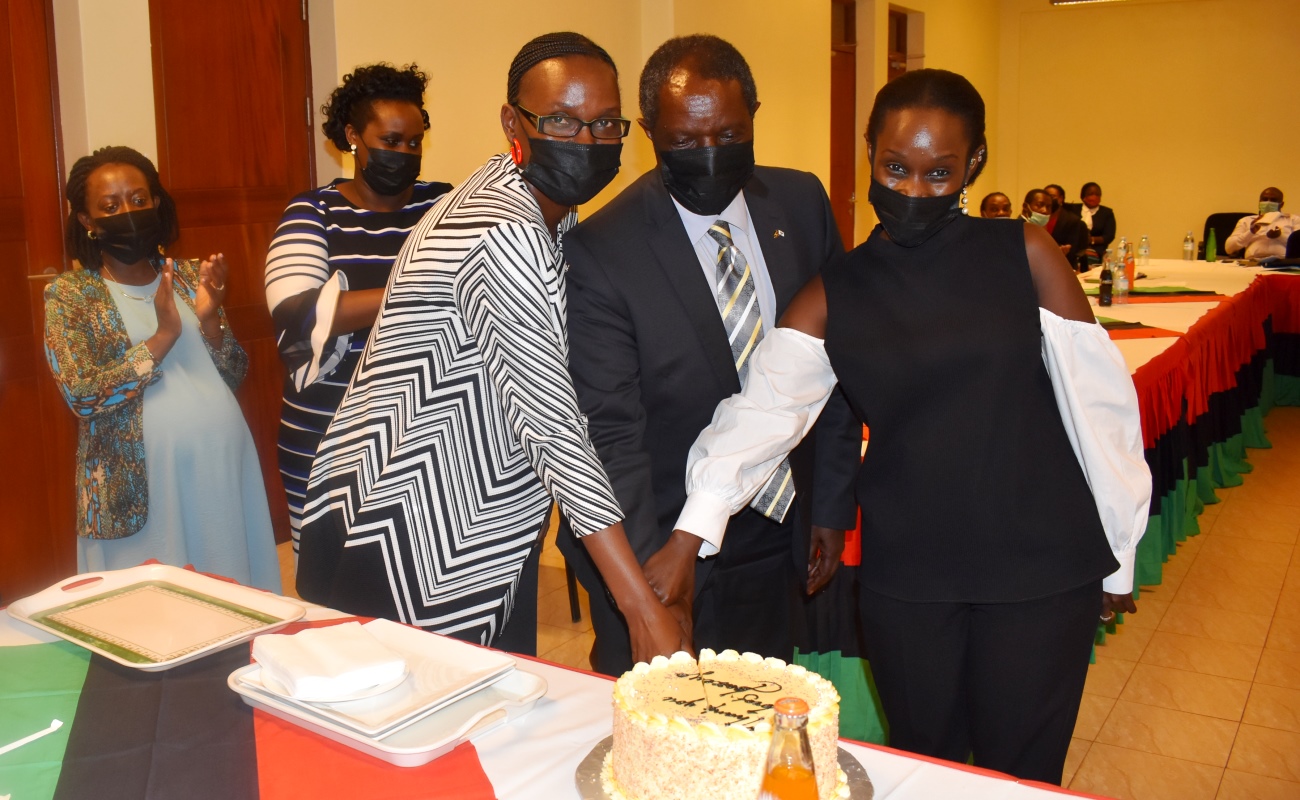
[(182, 733)]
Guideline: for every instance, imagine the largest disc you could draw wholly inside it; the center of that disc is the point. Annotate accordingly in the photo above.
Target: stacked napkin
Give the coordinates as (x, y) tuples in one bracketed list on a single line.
[(327, 664)]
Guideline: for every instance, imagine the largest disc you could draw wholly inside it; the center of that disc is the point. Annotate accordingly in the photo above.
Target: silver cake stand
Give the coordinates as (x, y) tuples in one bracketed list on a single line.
[(590, 788)]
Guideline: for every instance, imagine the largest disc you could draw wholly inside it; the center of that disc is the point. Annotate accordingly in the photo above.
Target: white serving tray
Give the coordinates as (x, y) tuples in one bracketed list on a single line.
[(425, 739), (154, 617), (440, 671)]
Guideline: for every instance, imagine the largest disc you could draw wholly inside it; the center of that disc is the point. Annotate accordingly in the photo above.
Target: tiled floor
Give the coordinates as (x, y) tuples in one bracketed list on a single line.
[(1198, 695)]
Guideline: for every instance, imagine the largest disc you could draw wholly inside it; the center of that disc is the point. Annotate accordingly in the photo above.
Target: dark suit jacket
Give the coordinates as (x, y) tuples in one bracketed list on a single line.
[(1103, 225), (649, 354), (1070, 230)]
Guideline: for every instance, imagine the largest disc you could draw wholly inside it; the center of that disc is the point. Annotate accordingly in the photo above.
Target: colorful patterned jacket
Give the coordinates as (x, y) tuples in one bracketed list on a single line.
[(103, 379)]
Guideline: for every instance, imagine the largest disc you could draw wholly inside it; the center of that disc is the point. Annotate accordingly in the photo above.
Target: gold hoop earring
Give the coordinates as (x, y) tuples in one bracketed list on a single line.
[(90, 234), (964, 202)]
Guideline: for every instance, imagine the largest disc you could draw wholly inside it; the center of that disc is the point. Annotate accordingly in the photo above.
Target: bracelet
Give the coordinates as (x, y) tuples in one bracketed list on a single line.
[(220, 334)]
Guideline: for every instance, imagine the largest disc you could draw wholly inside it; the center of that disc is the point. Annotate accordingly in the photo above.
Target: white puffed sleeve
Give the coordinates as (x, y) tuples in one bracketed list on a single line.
[(1099, 407), (790, 379)]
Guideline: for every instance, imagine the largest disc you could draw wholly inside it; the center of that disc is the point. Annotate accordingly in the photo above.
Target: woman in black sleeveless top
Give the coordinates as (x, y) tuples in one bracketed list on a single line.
[(986, 515)]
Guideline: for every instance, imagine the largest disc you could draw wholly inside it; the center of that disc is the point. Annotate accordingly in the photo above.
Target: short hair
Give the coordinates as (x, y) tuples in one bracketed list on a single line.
[(1055, 186), (548, 46), (1275, 189), (1029, 195), (1089, 185), (985, 202), (933, 88), (711, 58), (75, 235), (352, 103)]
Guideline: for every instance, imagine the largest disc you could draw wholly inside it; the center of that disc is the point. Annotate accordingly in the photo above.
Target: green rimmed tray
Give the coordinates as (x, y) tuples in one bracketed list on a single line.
[(154, 617)]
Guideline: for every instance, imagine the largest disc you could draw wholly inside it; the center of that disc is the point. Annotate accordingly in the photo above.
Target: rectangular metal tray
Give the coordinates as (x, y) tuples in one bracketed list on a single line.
[(154, 617), (427, 738)]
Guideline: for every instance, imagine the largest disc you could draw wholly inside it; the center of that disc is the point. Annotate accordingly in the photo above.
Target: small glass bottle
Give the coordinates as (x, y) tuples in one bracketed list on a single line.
[(789, 773), (1106, 287), (1211, 247)]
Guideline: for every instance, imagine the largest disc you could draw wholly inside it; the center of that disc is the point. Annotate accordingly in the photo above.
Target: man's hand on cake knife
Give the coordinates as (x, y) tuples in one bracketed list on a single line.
[(653, 630), (825, 547)]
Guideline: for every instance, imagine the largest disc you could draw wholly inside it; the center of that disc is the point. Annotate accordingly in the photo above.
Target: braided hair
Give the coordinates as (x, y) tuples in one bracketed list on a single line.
[(551, 45), (933, 88), (75, 235), (352, 103), (711, 58)]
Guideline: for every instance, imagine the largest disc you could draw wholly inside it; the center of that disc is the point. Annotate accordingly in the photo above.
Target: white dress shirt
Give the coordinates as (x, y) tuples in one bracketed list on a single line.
[(742, 228), (1259, 245)]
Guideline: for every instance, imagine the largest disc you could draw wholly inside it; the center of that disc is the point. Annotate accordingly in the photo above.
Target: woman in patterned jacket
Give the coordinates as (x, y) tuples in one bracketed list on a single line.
[(432, 488), (139, 346)]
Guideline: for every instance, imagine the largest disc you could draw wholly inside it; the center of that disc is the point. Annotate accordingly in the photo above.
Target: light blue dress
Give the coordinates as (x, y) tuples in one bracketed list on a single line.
[(207, 502)]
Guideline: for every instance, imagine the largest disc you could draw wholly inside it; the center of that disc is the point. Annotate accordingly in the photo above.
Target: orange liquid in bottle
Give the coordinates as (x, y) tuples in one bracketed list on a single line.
[(790, 782)]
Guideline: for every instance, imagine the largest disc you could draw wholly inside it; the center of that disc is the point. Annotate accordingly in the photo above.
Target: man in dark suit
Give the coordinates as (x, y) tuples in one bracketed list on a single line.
[(1067, 229), (670, 287)]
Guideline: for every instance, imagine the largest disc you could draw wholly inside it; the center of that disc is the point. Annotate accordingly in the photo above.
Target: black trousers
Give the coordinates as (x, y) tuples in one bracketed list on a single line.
[(747, 598), (520, 632), (1000, 681)]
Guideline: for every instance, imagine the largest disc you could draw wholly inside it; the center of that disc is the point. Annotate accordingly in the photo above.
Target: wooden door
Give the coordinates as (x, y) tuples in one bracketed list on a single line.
[(37, 430), (233, 102), (844, 126)]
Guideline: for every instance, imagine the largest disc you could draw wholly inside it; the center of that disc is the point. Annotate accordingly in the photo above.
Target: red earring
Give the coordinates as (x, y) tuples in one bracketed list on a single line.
[(516, 152)]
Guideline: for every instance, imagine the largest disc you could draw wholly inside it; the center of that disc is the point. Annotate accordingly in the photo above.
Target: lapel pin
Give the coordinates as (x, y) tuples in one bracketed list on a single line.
[(778, 233)]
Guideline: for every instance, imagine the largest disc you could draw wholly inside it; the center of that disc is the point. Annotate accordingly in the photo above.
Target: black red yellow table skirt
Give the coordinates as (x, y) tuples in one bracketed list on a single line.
[(130, 734)]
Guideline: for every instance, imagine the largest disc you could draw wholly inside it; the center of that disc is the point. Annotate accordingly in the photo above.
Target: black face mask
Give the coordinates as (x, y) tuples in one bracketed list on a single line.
[(706, 179), (570, 173), (390, 172), (911, 221), (130, 237)]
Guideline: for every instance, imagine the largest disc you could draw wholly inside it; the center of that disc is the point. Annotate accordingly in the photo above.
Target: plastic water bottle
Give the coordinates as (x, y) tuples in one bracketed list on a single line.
[(1144, 252), (1121, 284), (1189, 247)]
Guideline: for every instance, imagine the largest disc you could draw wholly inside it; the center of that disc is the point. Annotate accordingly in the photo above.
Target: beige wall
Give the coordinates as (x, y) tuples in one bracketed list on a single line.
[(1178, 108), (105, 70)]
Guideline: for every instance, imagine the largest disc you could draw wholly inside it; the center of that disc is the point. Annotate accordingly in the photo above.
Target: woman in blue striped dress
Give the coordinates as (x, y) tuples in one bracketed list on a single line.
[(331, 256)]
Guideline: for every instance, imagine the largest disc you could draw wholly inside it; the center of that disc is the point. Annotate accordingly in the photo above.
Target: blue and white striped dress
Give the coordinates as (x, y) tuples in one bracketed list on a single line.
[(460, 425), (325, 244)]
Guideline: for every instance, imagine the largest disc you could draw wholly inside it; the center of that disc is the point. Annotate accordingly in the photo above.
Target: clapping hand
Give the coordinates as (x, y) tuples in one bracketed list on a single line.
[(211, 292)]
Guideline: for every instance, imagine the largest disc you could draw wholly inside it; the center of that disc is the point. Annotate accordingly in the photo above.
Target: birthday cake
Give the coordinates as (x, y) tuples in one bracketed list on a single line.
[(688, 730)]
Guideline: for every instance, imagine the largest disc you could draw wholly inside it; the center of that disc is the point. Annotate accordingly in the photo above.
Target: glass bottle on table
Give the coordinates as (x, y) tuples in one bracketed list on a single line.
[(1211, 247), (789, 773), (1105, 290), (1121, 284)]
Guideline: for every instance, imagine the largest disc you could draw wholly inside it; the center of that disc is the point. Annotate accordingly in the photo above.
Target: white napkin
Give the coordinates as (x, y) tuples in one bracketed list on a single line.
[(325, 664)]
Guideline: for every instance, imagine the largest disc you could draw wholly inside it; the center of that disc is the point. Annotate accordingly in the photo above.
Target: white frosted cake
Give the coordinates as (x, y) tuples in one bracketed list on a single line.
[(687, 730)]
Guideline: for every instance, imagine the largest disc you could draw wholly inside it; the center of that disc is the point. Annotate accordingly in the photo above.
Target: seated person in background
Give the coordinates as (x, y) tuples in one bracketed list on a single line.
[(1099, 219), (1264, 234), (1067, 229), (995, 205)]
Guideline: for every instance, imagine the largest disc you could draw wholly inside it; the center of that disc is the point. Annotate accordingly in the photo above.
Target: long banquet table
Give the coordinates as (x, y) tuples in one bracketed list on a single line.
[(199, 741)]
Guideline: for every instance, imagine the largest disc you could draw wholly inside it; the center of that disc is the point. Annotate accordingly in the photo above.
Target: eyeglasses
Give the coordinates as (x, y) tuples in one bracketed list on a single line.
[(566, 127)]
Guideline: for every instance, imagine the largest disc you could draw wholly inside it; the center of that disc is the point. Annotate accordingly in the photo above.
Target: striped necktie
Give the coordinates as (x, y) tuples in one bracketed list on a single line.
[(738, 304)]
